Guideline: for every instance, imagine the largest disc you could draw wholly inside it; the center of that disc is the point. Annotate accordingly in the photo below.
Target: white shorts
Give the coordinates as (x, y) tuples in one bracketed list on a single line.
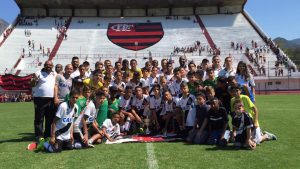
[(257, 135)]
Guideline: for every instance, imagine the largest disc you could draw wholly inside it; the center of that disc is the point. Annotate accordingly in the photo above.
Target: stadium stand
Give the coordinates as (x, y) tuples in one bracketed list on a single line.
[(58, 33)]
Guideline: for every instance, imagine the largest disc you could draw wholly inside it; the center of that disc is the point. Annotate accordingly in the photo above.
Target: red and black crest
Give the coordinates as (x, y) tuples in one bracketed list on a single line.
[(135, 36)]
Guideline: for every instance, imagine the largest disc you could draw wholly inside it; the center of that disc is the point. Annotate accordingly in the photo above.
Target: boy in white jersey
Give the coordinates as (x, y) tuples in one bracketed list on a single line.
[(85, 125), (169, 109), (156, 105), (117, 82), (62, 126), (175, 85), (139, 103), (110, 129), (125, 109), (145, 80), (187, 108)]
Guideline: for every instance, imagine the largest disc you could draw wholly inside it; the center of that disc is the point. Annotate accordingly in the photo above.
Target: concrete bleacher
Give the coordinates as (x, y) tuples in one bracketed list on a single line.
[(90, 38), (225, 29), (42, 32)]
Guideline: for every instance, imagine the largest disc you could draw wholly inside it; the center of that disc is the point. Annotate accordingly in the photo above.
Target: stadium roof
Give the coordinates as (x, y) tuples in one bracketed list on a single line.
[(112, 4)]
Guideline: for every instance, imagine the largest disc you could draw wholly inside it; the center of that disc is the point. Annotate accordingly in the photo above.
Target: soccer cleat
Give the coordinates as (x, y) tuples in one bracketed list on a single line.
[(90, 144), (271, 136), (40, 146)]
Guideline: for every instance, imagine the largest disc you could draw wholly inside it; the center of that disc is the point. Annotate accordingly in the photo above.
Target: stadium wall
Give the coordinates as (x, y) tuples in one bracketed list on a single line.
[(277, 84), (134, 12), (110, 12), (34, 12), (206, 10), (158, 12), (231, 9), (60, 12), (182, 11), (86, 12)]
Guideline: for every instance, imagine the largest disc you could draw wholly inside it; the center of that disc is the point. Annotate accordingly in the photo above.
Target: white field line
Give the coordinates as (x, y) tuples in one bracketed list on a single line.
[(152, 163)]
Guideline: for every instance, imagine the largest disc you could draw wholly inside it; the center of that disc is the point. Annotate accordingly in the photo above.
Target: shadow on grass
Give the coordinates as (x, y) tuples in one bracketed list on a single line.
[(225, 148), (24, 137)]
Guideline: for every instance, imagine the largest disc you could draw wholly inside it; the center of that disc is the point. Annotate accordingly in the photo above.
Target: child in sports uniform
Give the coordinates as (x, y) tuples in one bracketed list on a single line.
[(139, 103), (62, 126), (175, 85), (125, 108), (186, 106), (156, 105), (241, 127), (250, 108), (168, 112), (85, 125), (199, 134), (110, 129), (217, 121)]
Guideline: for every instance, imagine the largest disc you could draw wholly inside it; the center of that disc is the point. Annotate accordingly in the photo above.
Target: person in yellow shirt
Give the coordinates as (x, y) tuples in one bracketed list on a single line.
[(251, 109), (134, 68), (95, 82)]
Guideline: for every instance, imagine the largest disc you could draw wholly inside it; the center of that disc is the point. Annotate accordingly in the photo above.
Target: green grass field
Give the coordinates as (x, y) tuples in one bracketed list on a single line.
[(279, 114)]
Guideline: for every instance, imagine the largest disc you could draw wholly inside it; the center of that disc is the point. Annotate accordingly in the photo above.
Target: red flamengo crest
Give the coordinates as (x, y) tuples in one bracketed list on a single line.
[(135, 36)]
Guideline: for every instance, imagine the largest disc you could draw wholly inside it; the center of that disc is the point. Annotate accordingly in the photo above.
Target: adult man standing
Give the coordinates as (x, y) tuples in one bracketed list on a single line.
[(63, 85), (75, 64), (228, 70), (43, 83), (216, 65)]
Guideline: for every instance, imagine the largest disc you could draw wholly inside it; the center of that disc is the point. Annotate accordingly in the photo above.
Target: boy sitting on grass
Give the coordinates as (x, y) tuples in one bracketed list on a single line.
[(241, 127), (110, 129), (250, 108)]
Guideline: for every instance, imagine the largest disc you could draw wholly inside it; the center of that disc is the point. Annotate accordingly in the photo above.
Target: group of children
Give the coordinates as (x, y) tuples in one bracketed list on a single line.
[(120, 101)]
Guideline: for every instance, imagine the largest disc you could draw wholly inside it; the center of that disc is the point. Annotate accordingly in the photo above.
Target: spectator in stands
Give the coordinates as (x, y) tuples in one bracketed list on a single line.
[(228, 68), (43, 82), (244, 78)]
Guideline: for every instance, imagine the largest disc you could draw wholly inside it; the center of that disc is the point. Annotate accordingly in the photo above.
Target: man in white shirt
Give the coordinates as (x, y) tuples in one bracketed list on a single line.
[(43, 83)]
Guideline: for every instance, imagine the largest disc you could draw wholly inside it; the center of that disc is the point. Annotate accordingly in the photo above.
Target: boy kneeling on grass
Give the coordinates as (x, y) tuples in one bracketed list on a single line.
[(242, 126), (62, 126)]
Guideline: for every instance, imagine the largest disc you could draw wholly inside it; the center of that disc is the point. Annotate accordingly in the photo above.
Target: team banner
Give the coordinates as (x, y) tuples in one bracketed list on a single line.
[(12, 82), (135, 36)]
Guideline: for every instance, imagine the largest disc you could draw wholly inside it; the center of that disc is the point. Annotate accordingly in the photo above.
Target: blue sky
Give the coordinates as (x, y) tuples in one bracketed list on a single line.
[(276, 17)]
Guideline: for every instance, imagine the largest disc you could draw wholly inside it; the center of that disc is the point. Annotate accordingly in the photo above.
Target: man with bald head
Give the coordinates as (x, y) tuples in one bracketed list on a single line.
[(43, 82)]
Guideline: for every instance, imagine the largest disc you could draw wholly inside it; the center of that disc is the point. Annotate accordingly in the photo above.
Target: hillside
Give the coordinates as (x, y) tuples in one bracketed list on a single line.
[(291, 48)]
